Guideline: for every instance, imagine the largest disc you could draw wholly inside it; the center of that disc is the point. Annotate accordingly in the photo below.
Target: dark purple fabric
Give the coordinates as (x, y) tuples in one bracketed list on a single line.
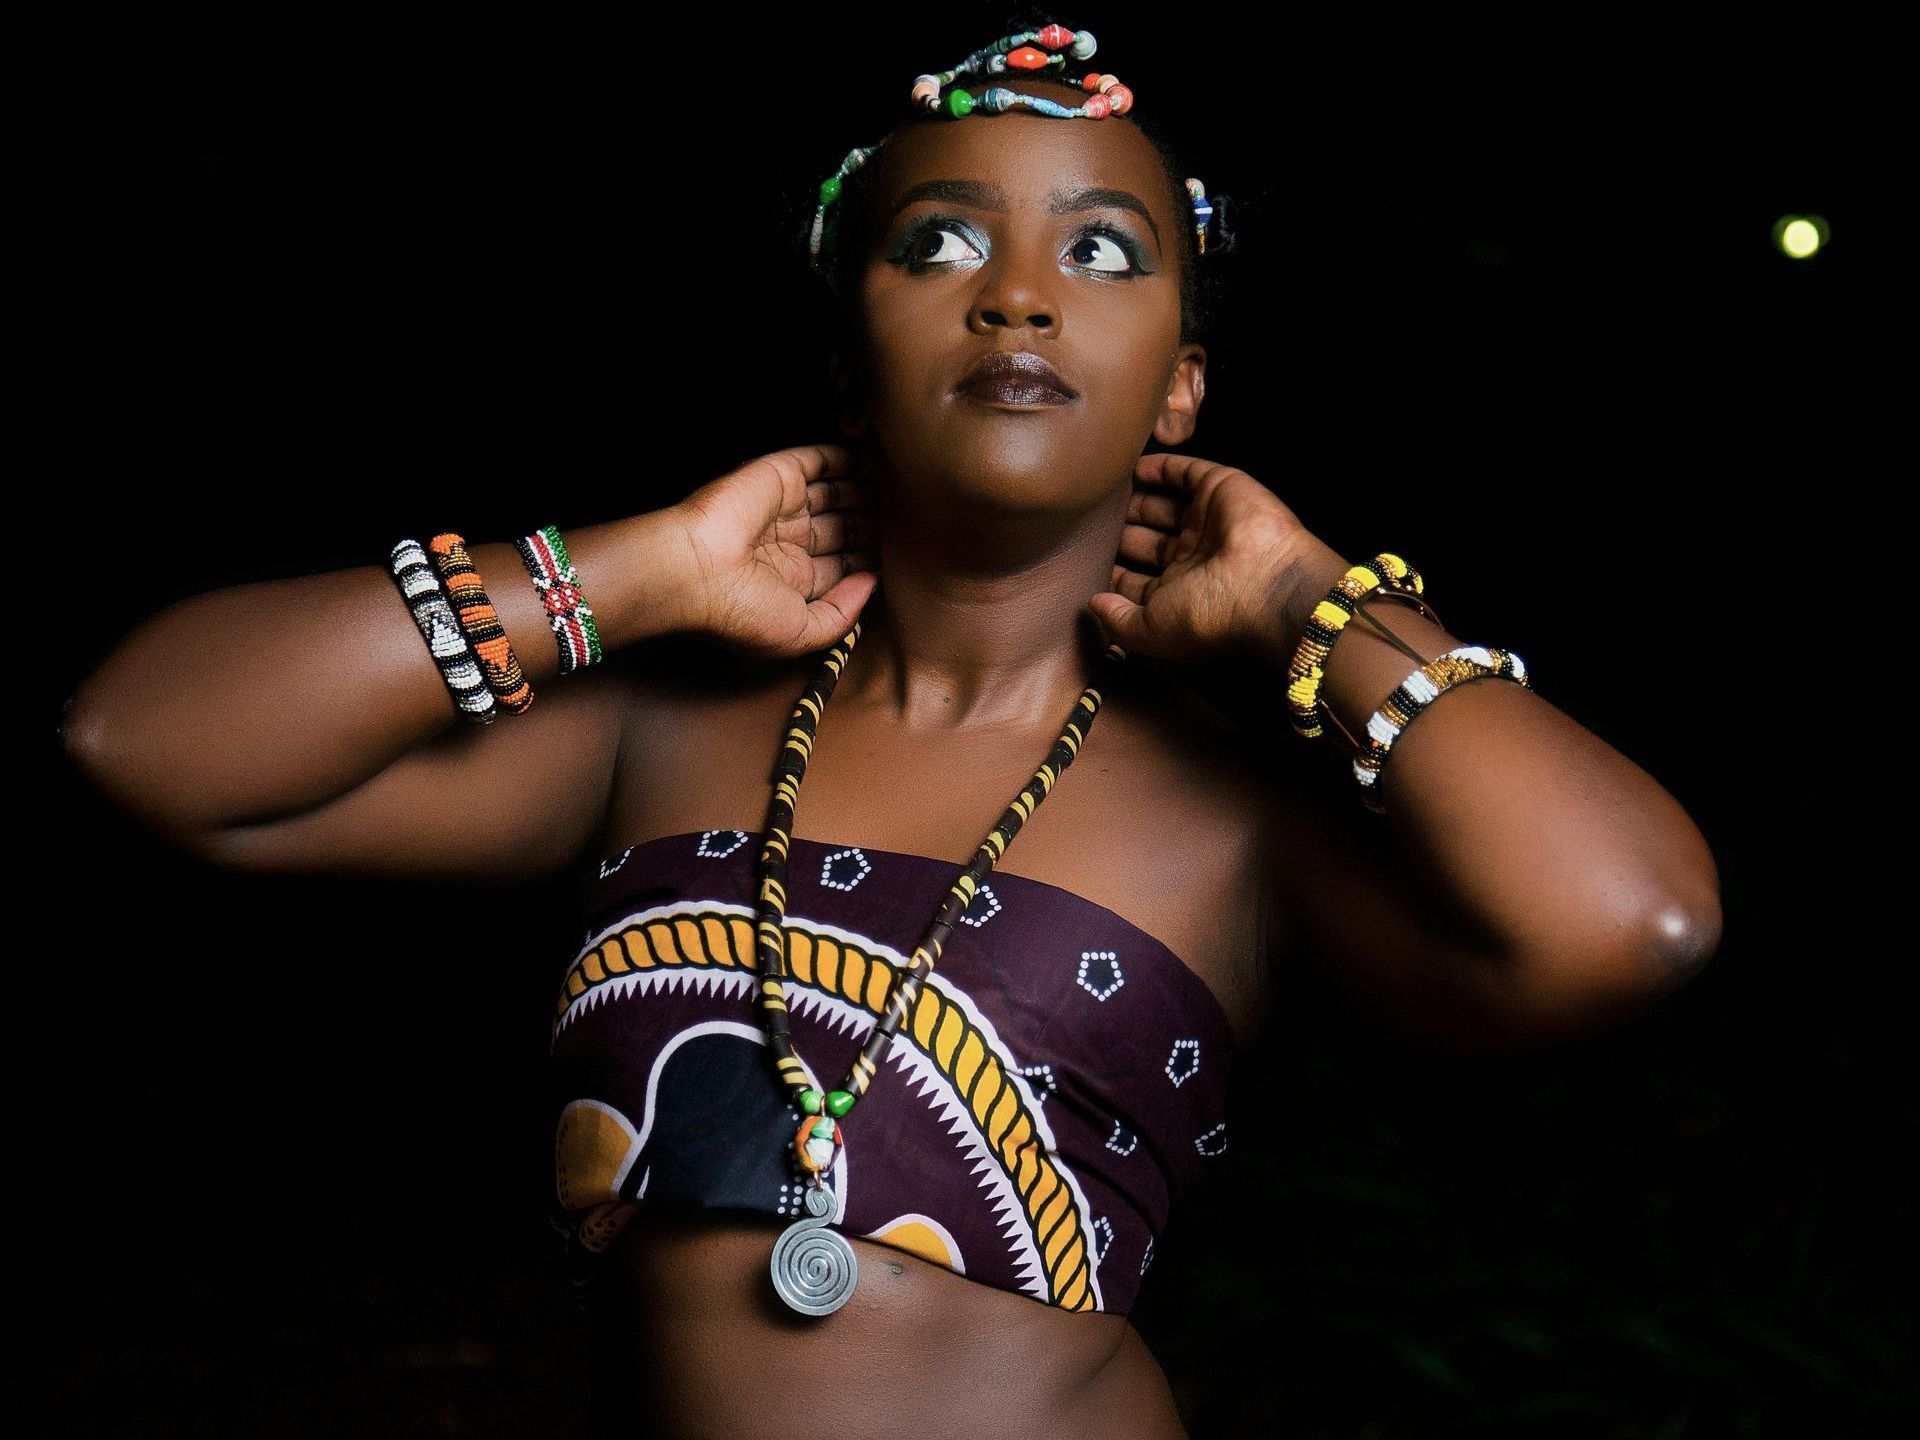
[(663, 1086)]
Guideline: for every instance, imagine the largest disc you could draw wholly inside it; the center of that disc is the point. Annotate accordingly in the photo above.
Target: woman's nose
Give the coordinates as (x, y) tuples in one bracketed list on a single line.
[(1015, 294)]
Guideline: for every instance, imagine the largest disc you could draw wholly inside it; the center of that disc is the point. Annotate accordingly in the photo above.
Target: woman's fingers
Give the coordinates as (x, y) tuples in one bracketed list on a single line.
[(837, 530), (830, 570), (1143, 545), (1184, 472), (1130, 583), (1167, 512), (847, 492), (832, 615)]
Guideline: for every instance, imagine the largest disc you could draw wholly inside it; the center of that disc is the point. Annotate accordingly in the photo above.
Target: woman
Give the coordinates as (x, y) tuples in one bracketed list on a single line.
[(1540, 879)]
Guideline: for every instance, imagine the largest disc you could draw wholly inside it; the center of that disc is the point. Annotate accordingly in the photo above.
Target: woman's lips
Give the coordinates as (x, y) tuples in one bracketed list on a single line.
[(1014, 392), (1019, 378)]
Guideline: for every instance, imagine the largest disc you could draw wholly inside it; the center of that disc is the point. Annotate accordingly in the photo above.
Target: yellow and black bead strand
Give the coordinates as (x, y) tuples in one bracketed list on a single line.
[(770, 935), (814, 1268)]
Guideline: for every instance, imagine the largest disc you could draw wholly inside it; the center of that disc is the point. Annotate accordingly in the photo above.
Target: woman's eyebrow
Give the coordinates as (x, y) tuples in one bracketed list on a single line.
[(1061, 202)]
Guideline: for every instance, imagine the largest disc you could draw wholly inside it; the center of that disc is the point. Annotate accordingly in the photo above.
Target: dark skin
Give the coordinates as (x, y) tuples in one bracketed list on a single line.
[(1529, 882)]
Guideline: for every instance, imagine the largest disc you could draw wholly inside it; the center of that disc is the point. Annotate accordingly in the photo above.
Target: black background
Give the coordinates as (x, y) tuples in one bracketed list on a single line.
[(1507, 303)]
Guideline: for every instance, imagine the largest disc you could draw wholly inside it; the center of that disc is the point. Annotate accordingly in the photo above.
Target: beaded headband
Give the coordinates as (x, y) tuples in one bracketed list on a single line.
[(1105, 96)]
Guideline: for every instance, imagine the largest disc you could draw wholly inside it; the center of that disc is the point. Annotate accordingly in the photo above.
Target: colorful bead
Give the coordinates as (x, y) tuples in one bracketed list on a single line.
[(839, 1102), (1055, 37), (811, 1100), (1028, 58)]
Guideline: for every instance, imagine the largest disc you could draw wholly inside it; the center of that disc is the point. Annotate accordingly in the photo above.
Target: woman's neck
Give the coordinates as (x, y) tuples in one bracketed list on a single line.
[(945, 644)]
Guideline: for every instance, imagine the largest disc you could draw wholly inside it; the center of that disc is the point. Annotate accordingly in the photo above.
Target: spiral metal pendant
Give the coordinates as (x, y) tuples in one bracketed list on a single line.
[(814, 1268)]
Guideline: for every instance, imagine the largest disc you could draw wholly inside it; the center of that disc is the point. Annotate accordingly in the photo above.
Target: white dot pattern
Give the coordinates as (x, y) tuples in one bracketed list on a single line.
[(1042, 1076), (1214, 1142), (1122, 1141), (1184, 1063), (844, 869), (1100, 973), (718, 844), (985, 902)]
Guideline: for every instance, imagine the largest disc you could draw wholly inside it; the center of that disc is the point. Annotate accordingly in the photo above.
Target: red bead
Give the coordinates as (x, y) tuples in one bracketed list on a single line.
[(1098, 107), (1090, 82), (562, 597), (1027, 58), (1056, 37), (1121, 98)]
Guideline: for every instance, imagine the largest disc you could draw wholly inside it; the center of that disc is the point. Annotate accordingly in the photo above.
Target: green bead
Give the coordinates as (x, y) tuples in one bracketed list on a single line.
[(811, 1100), (959, 103), (839, 1102), (822, 1129), (829, 189)]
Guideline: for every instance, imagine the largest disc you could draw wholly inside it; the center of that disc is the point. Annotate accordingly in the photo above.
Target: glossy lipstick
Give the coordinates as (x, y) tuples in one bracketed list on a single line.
[(1018, 377)]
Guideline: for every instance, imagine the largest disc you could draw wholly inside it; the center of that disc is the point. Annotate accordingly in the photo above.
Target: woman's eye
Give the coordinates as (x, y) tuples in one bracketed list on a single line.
[(929, 246), (1087, 251)]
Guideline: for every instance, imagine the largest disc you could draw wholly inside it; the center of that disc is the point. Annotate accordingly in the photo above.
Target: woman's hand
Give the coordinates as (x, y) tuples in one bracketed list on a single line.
[(779, 546), (1219, 564)]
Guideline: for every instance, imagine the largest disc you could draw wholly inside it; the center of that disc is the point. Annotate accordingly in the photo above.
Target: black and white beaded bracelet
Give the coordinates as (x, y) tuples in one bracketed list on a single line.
[(427, 601)]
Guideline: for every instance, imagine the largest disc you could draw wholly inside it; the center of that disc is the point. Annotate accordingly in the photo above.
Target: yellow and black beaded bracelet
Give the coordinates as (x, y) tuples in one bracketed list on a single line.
[(1307, 670)]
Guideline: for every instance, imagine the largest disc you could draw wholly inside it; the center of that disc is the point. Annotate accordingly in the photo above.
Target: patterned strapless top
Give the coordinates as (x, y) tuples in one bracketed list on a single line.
[(1061, 1081)]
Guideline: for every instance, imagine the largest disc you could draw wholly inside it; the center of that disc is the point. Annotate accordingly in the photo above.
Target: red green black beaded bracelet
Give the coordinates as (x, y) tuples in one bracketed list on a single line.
[(559, 586)]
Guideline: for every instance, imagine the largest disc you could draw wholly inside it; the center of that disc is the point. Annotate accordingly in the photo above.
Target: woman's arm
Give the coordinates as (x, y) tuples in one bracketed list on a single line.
[(1527, 882), (302, 724)]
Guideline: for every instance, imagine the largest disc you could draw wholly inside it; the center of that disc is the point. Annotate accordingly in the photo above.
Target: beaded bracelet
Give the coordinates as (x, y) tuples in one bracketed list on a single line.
[(1414, 694), (480, 623), (427, 603), (1306, 670), (559, 586)]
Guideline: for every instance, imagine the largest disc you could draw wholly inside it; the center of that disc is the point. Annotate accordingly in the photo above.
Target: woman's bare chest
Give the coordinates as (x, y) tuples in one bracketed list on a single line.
[(1125, 827)]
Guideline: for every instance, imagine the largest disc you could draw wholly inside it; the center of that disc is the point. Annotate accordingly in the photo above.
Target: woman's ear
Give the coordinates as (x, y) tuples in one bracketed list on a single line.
[(1180, 413)]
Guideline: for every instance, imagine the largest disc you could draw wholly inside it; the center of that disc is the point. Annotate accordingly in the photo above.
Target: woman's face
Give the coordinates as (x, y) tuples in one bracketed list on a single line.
[(983, 241)]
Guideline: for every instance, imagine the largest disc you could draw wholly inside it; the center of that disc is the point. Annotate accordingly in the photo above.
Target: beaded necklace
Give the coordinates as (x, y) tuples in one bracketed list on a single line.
[(814, 1268)]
